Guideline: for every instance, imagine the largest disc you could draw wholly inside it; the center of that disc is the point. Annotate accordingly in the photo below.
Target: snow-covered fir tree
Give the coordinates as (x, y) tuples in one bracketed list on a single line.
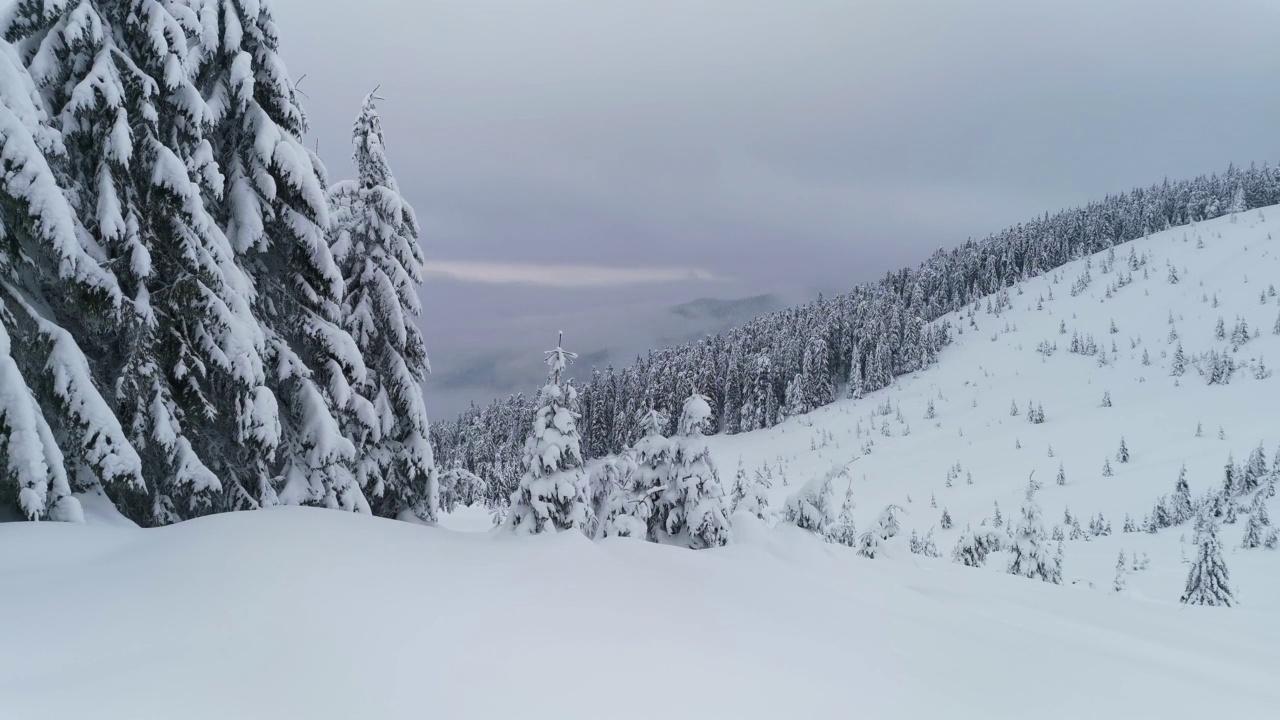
[(57, 433), (842, 531), (1030, 555), (1254, 530), (273, 206), (813, 506), (186, 372), (1208, 582), (869, 544), (693, 509), (756, 499), (375, 243), (887, 524), (643, 472), (553, 489), (973, 546)]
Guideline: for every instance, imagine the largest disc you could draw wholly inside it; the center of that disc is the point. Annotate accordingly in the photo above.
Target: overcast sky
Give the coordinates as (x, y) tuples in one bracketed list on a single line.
[(576, 159)]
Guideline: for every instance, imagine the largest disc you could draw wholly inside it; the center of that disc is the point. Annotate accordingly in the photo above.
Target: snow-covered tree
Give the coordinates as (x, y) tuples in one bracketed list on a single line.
[(887, 524), (57, 433), (813, 506), (185, 367), (642, 474), (1254, 471), (1237, 204), (375, 243), (842, 531), (693, 509), (1178, 367), (273, 206), (1208, 579), (1122, 455), (1122, 568), (973, 546), (756, 498), (553, 487), (1030, 555), (460, 487), (869, 544), (1254, 532)]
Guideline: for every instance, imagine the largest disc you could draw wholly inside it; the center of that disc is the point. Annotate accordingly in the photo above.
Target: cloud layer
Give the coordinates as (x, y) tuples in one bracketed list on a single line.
[(562, 275), (783, 144)]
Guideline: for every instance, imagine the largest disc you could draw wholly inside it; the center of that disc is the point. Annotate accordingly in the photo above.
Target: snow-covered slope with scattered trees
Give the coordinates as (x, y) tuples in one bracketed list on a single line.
[(1132, 385)]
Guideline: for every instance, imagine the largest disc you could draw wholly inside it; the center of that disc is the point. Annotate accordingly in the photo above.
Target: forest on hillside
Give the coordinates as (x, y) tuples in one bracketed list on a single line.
[(791, 361)]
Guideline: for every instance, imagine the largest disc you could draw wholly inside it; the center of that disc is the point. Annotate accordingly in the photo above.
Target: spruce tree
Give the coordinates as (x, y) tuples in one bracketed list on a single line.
[(813, 507), (1254, 531), (553, 485), (1178, 367), (274, 208), (629, 509), (842, 531), (1030, 556), (375, 234), (186, 371), (1208, 579), (57, 433), (693, 508)]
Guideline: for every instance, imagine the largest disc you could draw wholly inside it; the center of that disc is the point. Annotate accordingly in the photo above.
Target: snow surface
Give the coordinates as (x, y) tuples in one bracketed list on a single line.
[(309, 613)]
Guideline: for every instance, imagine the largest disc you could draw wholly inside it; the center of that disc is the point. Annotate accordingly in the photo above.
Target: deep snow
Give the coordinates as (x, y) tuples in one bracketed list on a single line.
[(301, 613), (304, 613)]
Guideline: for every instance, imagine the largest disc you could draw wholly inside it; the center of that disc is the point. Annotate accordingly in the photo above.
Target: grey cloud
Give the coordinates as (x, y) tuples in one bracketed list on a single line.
[(791, 145)]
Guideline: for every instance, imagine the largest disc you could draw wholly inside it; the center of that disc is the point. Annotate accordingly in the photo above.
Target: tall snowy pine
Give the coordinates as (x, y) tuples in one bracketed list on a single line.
[(185, 369), (274, 209), (57, 433), (553, 488), (376, 247)]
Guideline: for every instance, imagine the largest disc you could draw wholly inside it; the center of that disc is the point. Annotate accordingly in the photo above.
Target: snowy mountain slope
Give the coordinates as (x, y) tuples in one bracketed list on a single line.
[(306, 613), (996, 364)]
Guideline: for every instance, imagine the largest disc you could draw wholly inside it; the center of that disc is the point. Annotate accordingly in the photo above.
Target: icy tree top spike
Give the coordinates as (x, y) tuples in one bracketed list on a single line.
[(559, 358)]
